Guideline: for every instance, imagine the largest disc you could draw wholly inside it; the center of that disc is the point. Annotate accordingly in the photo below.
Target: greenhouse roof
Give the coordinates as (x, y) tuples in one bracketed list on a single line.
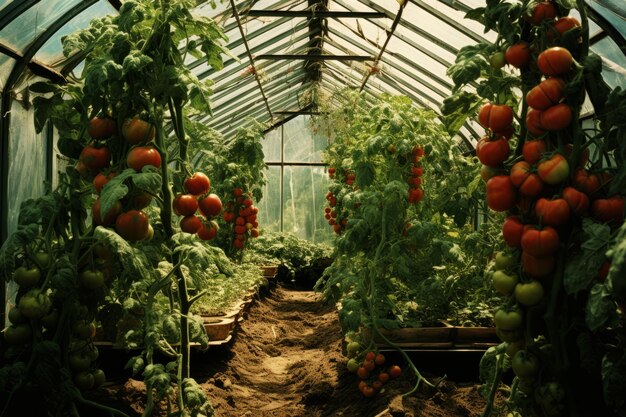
[(288, 55)]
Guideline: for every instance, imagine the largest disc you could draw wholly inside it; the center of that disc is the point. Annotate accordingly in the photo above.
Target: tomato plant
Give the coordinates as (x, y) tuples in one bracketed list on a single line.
[(546, 94), (197, 184), (533, 150), (529, 293), (501, 193), (554, 170), (540, 12), (211, 205), (540, 242), (185, 204), (132, 225), (141, 156), (101, 128), (555, 61), (555, 212), (492, 152), (518, 55), (512, 230), (525, 179), (538, 267), (137, 131)]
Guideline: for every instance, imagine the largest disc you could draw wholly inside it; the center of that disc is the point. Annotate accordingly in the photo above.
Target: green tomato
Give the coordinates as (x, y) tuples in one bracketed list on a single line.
[(78, 361), (34, 304), (508, 320), (18, 334), (525, 364), (26, 277), (91, 280), (84, 380), (15, 317), (527, 385), (353, 349), (353, 365), (529, 294), (497, 60), (98, 377), (510, 335), (43, 259), (82, 329), (505, 261), (504, 283)]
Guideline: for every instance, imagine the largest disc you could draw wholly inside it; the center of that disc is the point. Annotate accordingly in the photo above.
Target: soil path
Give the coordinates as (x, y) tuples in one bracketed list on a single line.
[(286, 361)]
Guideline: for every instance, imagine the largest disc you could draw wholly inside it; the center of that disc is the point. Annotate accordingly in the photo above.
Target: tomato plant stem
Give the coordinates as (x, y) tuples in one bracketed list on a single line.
[(494, 386)]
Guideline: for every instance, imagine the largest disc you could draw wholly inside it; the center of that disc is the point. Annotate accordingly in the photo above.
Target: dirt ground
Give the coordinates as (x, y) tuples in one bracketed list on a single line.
[(286, 361)]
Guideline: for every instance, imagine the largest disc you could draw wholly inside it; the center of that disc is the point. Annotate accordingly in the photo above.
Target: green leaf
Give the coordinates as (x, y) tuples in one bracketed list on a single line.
[(135, 63), (457, 108), (136, 364), (599, 307), (581, 270), (114, 190), (613, 381), (365, 174), (149, 179), (43, 87)]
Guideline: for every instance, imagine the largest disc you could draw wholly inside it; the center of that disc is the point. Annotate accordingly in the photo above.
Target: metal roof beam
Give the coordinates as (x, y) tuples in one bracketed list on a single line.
[(245, 42), (14, 10), (315, 13), (317, 57)]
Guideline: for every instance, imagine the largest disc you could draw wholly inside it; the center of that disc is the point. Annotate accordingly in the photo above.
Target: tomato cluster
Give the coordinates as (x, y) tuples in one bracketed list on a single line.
[(371, 371), (416, 193), (197, 197), (241, 213)]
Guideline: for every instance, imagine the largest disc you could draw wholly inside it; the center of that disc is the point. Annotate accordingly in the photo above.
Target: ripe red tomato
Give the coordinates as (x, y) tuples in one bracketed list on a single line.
[(542, 11), (368, 392), (512, 230), (238, 192), (538, 267), (141, 156), (533, 150), (533, 122), (379, 359), (501, 193), (417, 171), (383, 377), (554, 170), (523, 177), (185, 204), (136, 131), (497, 117), (609, 210), (603, 272), (540, 242), (229, 216), (585, 182), (211, 205), (132, 225), (415, 195), (254, 232), (555, 61), (190, 224), (100, 181), (209, 232), (240, 230), (546, 94), (369, 365), (518, 55), (95, 159), (109, 217), (577, 201), (394, 371), (554, 212), (562, 25), (492, 152), (556, 117), (101, 128), (197, 184)]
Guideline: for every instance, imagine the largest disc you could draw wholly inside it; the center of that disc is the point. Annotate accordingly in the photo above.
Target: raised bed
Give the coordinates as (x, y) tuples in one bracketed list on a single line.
[(444, 337)]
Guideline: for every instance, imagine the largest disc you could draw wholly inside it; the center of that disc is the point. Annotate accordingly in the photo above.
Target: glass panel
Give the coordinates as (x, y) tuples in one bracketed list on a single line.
[(52, 52), (5, 3), (613, 62), (300, 144), (271, 145), (269, 205), (304, 191), (6, 65), (613, 11), (27, 161), (24, 30)]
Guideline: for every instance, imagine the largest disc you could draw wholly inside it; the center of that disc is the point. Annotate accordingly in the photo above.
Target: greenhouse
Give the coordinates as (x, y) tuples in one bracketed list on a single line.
[(320, 208)]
